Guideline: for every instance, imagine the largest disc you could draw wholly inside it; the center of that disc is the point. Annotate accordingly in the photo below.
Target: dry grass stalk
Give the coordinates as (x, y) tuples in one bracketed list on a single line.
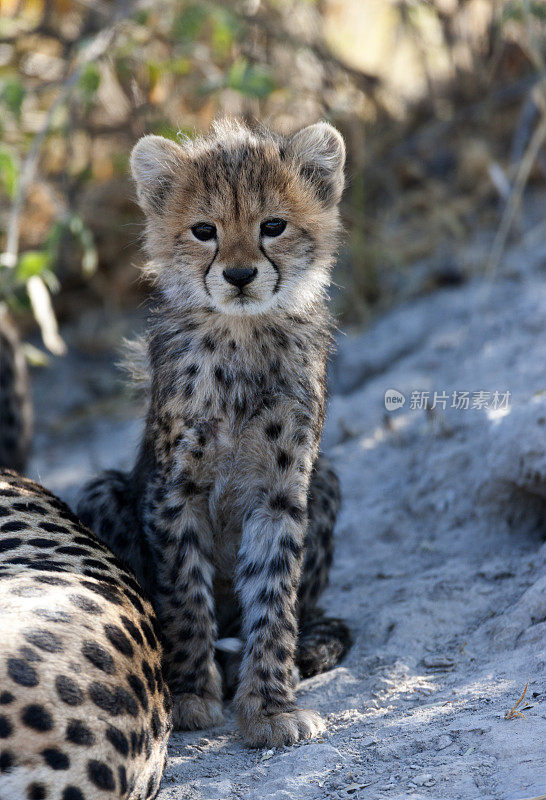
[(514, 712)]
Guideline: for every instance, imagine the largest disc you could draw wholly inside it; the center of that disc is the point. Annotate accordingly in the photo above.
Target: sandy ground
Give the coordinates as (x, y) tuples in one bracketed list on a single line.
[(441, 561)]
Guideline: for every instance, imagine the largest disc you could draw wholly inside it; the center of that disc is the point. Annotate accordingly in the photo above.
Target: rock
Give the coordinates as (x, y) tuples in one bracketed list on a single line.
[(443, 742), (438, 662), (424, 779)]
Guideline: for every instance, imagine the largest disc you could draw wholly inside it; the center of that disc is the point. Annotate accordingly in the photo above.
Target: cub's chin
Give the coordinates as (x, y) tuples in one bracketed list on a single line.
[(244, 305)]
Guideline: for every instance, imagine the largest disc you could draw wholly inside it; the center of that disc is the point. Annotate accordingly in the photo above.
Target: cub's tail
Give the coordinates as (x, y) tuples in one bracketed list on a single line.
[(322, 643)]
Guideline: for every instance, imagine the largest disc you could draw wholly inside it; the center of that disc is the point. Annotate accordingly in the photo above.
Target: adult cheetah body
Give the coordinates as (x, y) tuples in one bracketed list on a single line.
[(234, 506), (84, 711)]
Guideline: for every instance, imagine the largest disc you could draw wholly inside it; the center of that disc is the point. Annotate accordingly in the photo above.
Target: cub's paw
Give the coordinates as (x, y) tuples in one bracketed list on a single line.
[(192, 711), (277, 729)]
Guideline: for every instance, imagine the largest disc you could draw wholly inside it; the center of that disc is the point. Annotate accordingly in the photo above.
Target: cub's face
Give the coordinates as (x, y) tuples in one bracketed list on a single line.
[(242, 222)]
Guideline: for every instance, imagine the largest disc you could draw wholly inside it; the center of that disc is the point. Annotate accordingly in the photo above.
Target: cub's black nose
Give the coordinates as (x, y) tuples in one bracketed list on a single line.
[(239, 276)]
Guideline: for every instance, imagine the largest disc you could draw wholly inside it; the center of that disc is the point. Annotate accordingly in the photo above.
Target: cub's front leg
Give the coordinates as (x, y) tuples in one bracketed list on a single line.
[(178, 530), (280, 459)]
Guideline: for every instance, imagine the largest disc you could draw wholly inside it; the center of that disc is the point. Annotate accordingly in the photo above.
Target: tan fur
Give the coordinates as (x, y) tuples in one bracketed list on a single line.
[(84, 712)]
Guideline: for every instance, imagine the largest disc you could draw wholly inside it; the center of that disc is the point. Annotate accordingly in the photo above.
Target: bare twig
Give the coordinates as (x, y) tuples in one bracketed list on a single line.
[(97, 47), (514, 201), (40, 300)]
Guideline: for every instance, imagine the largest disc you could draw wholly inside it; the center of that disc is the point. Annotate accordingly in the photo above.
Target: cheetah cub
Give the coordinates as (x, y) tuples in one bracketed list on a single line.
[(227, 517), (84, 711)]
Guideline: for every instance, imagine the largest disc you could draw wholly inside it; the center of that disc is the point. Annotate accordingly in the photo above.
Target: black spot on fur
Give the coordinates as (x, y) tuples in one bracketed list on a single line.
[(132, 630), (72, 793), (135, 601), (273, 431), (6, 698), (284, 459), (279, 565), (280, 502), (22, 673), (151, 787), (55, 758), (53, 615), (68, 690), (53, 527), (85, 604), (6, 728), (109, 593), (7, 760), (36, 791), (149, 675), (36, 717), (72, 550), (29, 654), (50, 580), (42, 542), (78, 733), (99, 657), (13, 526), (114, 702), (209, 344), (150, 638), (139, 689), (297, 513), (118, 740), (155, 724), (120, 641), (9, 544), (31, 508), (122, 775), (101, 775), (44, 640)]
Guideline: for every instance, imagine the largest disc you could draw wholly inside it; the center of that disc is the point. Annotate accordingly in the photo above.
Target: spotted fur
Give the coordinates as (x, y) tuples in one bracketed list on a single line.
[(228, 514), (84, 711)]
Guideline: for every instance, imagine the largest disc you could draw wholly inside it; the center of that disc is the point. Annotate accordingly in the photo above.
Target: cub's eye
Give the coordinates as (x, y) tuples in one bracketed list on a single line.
[(272, 227), (204, 231)]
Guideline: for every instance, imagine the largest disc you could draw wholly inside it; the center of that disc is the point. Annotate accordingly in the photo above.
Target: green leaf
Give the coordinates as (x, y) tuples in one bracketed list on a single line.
[(189, 23), (142, 17), (35, 356), (164, 128), (538, 10), (12, 93), (252, 80), (179, 66), (9, 172), (89, 81), (516, 11), (33, 262), (225, 30)]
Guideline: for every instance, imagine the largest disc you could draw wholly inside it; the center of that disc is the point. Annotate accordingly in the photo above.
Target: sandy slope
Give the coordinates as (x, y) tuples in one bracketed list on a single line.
[(440, 567)]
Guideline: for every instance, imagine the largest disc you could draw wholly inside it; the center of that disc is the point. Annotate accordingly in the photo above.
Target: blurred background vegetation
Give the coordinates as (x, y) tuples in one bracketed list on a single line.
[(442, 104)]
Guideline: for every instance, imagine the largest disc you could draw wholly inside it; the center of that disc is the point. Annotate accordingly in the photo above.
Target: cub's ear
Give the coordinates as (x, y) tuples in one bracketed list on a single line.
[(154, 163), (319, 152)]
